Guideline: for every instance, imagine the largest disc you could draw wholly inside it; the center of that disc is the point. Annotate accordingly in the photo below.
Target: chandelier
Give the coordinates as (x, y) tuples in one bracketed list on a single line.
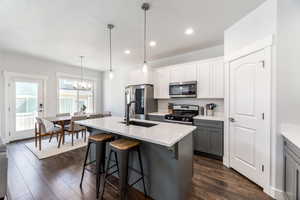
[(82, 84)]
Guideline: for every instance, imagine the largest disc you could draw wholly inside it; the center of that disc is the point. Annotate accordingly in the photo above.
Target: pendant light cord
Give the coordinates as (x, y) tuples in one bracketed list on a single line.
[(110, 59), (145, 30), (81, 57)]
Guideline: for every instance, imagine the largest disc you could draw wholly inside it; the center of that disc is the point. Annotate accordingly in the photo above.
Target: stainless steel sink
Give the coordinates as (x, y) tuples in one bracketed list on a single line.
[(137, 123)]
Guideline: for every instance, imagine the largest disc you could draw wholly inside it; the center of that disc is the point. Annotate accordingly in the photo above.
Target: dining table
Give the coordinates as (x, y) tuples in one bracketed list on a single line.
[(65, 120), (62, 121)]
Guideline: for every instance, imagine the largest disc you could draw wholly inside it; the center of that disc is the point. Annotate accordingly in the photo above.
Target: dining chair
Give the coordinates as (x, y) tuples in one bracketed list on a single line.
[(45, 128), (76, 128), (58, 125), (63, 114)]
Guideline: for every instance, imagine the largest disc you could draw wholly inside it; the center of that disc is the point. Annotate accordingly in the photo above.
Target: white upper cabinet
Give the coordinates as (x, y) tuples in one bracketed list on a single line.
[(161, 83), (211, 79), (203, 81), (218, 80), (183, 72), (209, 75)]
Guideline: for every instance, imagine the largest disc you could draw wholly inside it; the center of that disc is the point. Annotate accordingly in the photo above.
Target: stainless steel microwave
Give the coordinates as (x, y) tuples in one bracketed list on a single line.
[(183, 89)]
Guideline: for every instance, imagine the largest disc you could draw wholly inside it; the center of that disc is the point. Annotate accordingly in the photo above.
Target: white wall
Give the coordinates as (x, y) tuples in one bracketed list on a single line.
[(288, 71), (258, 25), (12, 62), (288, 63), (113, 90)]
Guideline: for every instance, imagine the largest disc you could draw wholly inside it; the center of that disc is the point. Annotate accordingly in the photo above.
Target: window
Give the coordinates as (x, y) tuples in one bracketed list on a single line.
[(72, 100), (26, 105)]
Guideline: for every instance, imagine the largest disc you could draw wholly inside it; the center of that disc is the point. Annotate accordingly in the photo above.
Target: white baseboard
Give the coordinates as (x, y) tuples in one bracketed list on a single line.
[(277, 194)]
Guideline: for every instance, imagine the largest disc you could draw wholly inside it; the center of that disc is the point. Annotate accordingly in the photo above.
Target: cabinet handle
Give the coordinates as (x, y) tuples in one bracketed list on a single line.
[(297, 185), (285, 173)]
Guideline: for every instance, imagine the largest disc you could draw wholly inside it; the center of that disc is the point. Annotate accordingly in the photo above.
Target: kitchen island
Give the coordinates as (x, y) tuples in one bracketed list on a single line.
[(167, 154)]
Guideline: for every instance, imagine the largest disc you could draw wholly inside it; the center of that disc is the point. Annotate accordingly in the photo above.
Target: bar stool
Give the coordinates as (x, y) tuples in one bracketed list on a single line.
[(100, 141), (122, 148)]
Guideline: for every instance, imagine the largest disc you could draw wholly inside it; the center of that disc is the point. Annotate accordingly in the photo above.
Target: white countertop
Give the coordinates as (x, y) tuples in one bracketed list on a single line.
[(213, 118), (165, 134), (292, 133)]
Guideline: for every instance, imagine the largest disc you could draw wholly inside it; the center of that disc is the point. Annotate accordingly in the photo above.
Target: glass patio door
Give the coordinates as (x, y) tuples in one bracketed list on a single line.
[(26, 104)]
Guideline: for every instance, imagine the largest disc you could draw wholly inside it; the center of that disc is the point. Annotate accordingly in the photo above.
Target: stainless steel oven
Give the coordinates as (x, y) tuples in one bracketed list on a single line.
[(183, 89)]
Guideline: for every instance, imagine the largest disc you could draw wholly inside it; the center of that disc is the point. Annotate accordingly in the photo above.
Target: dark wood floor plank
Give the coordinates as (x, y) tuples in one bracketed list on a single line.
[(36, 184), (58, 177), (16, 184)]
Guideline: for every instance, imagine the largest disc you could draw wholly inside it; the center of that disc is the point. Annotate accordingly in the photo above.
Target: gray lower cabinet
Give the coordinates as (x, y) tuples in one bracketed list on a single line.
[(292, 169), (209, 137)]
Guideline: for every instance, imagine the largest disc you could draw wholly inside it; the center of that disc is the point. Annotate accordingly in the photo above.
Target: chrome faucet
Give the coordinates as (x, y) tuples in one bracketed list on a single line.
[(128, 113)]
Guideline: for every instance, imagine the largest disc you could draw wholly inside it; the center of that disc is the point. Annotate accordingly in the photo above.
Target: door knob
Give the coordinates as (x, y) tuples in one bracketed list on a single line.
[(231, 119)]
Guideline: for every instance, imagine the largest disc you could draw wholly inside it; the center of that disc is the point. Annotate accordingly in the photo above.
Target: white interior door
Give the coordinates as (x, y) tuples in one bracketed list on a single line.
[(25, 104), (248, 104)]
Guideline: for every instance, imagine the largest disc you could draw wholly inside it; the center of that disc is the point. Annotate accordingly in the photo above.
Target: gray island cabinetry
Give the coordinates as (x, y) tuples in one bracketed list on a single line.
[(167, 154)]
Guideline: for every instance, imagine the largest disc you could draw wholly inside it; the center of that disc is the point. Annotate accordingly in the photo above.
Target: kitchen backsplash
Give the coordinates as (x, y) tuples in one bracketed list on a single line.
[(163, 104)]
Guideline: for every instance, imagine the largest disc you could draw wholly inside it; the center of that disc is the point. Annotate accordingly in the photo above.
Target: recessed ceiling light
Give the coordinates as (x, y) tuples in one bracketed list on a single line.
[(189, 31), (152, 43), (127, 51)]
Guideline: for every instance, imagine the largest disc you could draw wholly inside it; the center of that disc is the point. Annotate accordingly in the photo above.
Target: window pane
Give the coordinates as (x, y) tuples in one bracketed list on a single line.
[(72, 100), (67, 84), (86, 98), (26, 105), (67, 101)]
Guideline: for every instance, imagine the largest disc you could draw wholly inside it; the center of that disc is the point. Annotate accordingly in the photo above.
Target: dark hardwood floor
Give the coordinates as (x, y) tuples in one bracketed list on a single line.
[(58, 178)]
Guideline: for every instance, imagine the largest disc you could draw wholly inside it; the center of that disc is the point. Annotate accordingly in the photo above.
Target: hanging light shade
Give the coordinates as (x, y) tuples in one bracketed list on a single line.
[(145, 7), (82, 84), (111, 73)]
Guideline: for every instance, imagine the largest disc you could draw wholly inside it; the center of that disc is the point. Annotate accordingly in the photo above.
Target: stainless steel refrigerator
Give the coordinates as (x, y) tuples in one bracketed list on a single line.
[(143, 96)]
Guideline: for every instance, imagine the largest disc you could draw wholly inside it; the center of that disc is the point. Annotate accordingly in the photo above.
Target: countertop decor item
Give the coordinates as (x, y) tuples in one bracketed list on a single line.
[(210, 109)]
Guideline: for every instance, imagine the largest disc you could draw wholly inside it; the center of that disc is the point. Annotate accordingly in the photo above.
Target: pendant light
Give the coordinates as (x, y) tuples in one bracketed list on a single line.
[(111, 73), (82, 85), (145, 7)]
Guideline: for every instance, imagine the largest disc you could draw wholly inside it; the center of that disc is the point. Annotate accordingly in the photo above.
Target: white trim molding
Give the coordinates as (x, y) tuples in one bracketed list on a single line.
[(277, 194), (7, 81), (226, 157), (266, 45), (256, 46)]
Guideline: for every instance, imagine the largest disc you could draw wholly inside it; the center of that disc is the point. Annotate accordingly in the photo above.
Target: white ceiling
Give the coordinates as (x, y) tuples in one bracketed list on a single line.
[(61, 30)]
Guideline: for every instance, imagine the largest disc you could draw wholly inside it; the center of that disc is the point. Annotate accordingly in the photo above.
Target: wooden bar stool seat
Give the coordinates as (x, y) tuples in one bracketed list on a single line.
[(121, 148), (100, 141), (100, 137), (124, 144)]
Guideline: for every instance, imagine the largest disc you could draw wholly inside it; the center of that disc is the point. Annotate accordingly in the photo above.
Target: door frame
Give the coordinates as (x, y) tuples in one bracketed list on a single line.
[(7, 86), (266, 45)]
